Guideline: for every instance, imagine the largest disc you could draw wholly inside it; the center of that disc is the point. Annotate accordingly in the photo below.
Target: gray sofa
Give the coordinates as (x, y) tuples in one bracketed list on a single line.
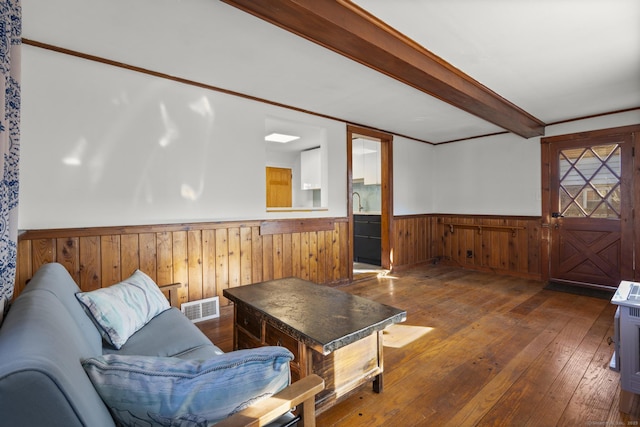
[(46, 334)]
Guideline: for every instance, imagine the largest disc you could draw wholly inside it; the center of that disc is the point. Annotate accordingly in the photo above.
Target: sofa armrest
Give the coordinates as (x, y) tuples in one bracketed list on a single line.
[(172, 289), (301, 393)]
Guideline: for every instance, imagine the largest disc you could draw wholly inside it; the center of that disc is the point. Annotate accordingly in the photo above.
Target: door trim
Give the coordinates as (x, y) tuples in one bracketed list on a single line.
[(545, 246), (386, 190)]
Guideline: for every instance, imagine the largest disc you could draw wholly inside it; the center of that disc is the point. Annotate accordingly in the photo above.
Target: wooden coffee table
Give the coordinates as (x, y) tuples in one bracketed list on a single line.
[(331, 333)]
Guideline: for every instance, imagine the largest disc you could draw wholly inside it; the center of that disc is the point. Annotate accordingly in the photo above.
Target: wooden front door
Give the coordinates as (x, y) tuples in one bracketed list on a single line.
[(589, 210)]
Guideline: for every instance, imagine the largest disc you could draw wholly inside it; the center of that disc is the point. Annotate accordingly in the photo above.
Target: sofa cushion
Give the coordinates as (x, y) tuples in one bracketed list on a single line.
[(169, 334), (122, 309), (174, 391), (42, 382), (56, 280)]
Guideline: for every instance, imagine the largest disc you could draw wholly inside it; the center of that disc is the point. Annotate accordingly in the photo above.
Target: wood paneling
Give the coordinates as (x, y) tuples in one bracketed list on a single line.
[(413, 237), (210, 257), (206, 257), (506, 245)]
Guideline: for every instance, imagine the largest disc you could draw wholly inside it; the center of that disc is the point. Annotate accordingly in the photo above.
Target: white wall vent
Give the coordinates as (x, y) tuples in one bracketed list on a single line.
[(204, 309)]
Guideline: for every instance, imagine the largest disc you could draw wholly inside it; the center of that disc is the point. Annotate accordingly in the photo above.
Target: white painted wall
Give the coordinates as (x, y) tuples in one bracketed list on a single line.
[(414, 181), (604, 122), (106, 146), (500, 175)]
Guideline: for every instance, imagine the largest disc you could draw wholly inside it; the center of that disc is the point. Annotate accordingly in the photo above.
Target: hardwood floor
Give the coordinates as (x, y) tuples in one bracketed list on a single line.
[(501, 351)]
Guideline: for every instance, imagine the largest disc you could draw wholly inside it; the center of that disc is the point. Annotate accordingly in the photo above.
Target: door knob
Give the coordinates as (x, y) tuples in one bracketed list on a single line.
[(557, 215)]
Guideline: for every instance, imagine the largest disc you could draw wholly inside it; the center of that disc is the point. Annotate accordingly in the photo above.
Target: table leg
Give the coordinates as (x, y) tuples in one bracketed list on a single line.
[(378, 384), (377, 381)]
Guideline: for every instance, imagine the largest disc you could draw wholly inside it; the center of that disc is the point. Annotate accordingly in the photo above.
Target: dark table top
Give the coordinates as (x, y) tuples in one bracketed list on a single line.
[(323, 318)]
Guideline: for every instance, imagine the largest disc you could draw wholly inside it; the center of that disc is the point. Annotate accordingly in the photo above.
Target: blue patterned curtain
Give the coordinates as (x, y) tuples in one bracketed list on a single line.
[(10, 42)]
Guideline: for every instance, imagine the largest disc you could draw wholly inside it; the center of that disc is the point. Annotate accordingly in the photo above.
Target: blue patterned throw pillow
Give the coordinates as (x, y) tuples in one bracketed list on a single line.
[(122, 309), (168, 391)]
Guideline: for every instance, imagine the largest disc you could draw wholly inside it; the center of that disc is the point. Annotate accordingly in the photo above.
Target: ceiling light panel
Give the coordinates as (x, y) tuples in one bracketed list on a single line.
[(280, 137)]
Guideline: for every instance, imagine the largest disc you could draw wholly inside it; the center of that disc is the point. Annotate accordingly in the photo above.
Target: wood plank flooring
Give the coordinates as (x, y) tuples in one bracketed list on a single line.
[(502, 352)]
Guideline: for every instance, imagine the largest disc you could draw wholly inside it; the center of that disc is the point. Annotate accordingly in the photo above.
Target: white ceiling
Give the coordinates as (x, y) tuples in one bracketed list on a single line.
[(556, 59)]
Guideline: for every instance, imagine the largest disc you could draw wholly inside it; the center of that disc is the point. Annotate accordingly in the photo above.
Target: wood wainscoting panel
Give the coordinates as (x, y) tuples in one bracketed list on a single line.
[(413, 240), (503, 244), (206, 257), (209, 257)]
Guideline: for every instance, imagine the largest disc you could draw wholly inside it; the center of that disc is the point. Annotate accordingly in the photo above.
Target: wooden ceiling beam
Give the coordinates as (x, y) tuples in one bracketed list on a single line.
[(347, 29)]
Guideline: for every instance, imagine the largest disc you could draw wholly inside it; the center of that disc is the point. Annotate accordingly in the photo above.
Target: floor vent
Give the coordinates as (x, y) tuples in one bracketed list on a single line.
[(204, 309)]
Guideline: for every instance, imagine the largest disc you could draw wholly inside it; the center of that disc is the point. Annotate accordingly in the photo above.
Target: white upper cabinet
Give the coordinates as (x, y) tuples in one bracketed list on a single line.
[(357, 159), (365, 161), (311, 169), (371, 150)]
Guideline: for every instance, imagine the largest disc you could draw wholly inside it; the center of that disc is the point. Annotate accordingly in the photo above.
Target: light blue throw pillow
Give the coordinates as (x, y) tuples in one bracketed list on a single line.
[(168, 391), (122, 309)]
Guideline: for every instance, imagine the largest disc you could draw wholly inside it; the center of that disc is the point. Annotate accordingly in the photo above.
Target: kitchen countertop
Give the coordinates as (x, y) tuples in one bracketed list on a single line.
[(368, 213)]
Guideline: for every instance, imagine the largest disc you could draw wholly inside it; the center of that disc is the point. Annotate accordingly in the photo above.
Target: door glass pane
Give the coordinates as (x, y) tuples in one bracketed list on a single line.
[(574, 211), (565, 200), (567, 159), (613, 200), (590, 182), (601, 211), (587, 165), (604, 151)]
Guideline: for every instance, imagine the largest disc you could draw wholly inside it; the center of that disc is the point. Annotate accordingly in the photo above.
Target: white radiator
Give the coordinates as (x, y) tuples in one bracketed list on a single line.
[(204, 309), (627, 297)]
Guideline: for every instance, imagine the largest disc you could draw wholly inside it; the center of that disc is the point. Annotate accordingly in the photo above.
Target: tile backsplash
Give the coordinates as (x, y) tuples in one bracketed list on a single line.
[(370, 196)]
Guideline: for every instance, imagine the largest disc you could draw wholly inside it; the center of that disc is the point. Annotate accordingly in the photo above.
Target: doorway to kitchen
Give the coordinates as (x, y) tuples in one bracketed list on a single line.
[(369, 176)]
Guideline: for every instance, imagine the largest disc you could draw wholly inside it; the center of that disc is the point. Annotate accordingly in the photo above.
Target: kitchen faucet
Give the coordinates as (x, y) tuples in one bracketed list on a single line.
[(355, 193)]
